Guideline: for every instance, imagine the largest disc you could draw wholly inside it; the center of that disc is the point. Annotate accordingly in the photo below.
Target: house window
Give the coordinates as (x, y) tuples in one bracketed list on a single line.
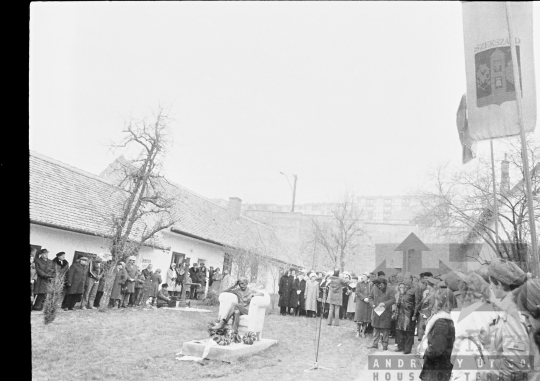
[(177, 258), (38, 248), (227, 263), (78, 254)]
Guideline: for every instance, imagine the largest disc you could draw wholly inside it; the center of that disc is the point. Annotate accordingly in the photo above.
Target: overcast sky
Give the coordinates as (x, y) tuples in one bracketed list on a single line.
[(357, 96)]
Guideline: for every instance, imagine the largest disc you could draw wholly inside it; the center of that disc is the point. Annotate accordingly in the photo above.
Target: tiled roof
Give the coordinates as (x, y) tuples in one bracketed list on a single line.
[(67, 197)]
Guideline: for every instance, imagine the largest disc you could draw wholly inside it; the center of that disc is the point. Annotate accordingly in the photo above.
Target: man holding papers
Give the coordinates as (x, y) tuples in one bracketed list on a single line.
[(382, 299)]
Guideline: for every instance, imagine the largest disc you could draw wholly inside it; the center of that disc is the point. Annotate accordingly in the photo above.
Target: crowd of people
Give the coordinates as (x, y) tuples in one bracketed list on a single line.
[(84, 282), (483, 325)]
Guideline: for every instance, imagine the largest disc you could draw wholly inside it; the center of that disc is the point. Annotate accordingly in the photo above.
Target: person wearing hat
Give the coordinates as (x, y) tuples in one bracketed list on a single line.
[(508, 334), (294, 292), (381, 274), (381, 297), (407, 307), (45, 272), (363, 311), (527, 299), (76, 279), (301, 311), (351, 305), (426, 304), (131, 270), (310, 296), (345, 298)]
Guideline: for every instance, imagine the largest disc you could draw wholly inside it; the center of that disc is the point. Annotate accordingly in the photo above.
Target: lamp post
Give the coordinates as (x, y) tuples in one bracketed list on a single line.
[(293, 189)]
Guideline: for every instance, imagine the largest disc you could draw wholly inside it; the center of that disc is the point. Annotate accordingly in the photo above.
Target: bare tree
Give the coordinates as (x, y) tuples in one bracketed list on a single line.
[(146, 207), (460, 205), (339, 234)]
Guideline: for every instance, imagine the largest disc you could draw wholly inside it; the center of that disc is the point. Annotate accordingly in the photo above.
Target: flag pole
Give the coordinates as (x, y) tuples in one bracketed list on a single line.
[(533, 256), (495, 201)]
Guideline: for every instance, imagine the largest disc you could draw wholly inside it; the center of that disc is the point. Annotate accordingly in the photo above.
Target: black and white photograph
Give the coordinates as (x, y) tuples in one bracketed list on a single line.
[(284, 190)]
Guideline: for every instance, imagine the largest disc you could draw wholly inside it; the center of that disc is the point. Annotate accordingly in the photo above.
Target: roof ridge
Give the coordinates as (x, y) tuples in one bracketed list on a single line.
[(71, 168)]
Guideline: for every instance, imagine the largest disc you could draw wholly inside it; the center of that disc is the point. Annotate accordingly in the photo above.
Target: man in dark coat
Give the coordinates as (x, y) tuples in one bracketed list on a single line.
[(293, 293), (381, 296), (76, 279), (284, 292), (131, 270), (301, 296), (45, 272), (408, 308), (194, 275)]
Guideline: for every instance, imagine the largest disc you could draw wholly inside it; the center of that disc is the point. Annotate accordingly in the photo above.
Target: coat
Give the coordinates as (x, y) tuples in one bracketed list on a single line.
[(440, 335), (363, 309), (310, 295), (170, 279), (302, 296), (45, 271), (156, 281), (376, 297), (194, 274), (351, 306), (76, 279), (163, 297), (131, 272), (335, 290), (293, 296), (147, 275), (202, 276), (407, 306), (284, 291), (60, 267), (120, 277)]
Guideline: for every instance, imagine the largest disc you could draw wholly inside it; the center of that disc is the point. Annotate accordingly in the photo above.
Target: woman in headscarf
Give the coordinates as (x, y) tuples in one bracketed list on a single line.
[(362, 316), (216, 284), (351, 305), (310, 296), (441, 334), (475, 317)]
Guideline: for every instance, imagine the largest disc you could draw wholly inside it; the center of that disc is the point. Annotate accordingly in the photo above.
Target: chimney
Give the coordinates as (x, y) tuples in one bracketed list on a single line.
[(505, 176), (235, 206)]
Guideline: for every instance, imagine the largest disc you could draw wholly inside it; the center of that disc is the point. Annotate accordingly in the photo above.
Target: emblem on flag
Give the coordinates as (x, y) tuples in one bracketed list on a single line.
[(495, 76)]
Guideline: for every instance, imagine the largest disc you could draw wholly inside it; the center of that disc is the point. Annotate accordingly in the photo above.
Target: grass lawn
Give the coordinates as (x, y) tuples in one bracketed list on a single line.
[(141, 344)]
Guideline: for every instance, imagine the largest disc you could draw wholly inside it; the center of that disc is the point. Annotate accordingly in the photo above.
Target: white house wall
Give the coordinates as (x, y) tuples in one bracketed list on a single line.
[(56, 240)]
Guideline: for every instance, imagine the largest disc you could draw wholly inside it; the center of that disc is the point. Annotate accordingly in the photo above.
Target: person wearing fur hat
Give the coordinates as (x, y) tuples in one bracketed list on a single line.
[(381, 296), (310, 296), (508, 334), (441, 335), (351, 305)]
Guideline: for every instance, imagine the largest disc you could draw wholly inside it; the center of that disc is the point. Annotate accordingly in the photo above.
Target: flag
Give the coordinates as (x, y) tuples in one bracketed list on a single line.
[(463, 129), (491, 93)]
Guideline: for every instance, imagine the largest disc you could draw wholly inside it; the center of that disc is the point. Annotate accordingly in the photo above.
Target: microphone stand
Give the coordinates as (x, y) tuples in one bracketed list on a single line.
[(316, 364)]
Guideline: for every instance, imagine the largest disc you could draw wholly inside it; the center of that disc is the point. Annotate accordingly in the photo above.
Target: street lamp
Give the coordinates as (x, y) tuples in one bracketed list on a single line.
[(292, 189)]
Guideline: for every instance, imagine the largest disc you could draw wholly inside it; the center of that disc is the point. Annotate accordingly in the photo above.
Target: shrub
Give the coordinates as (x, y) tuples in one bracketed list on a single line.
[(212, 299), (54, 294)]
